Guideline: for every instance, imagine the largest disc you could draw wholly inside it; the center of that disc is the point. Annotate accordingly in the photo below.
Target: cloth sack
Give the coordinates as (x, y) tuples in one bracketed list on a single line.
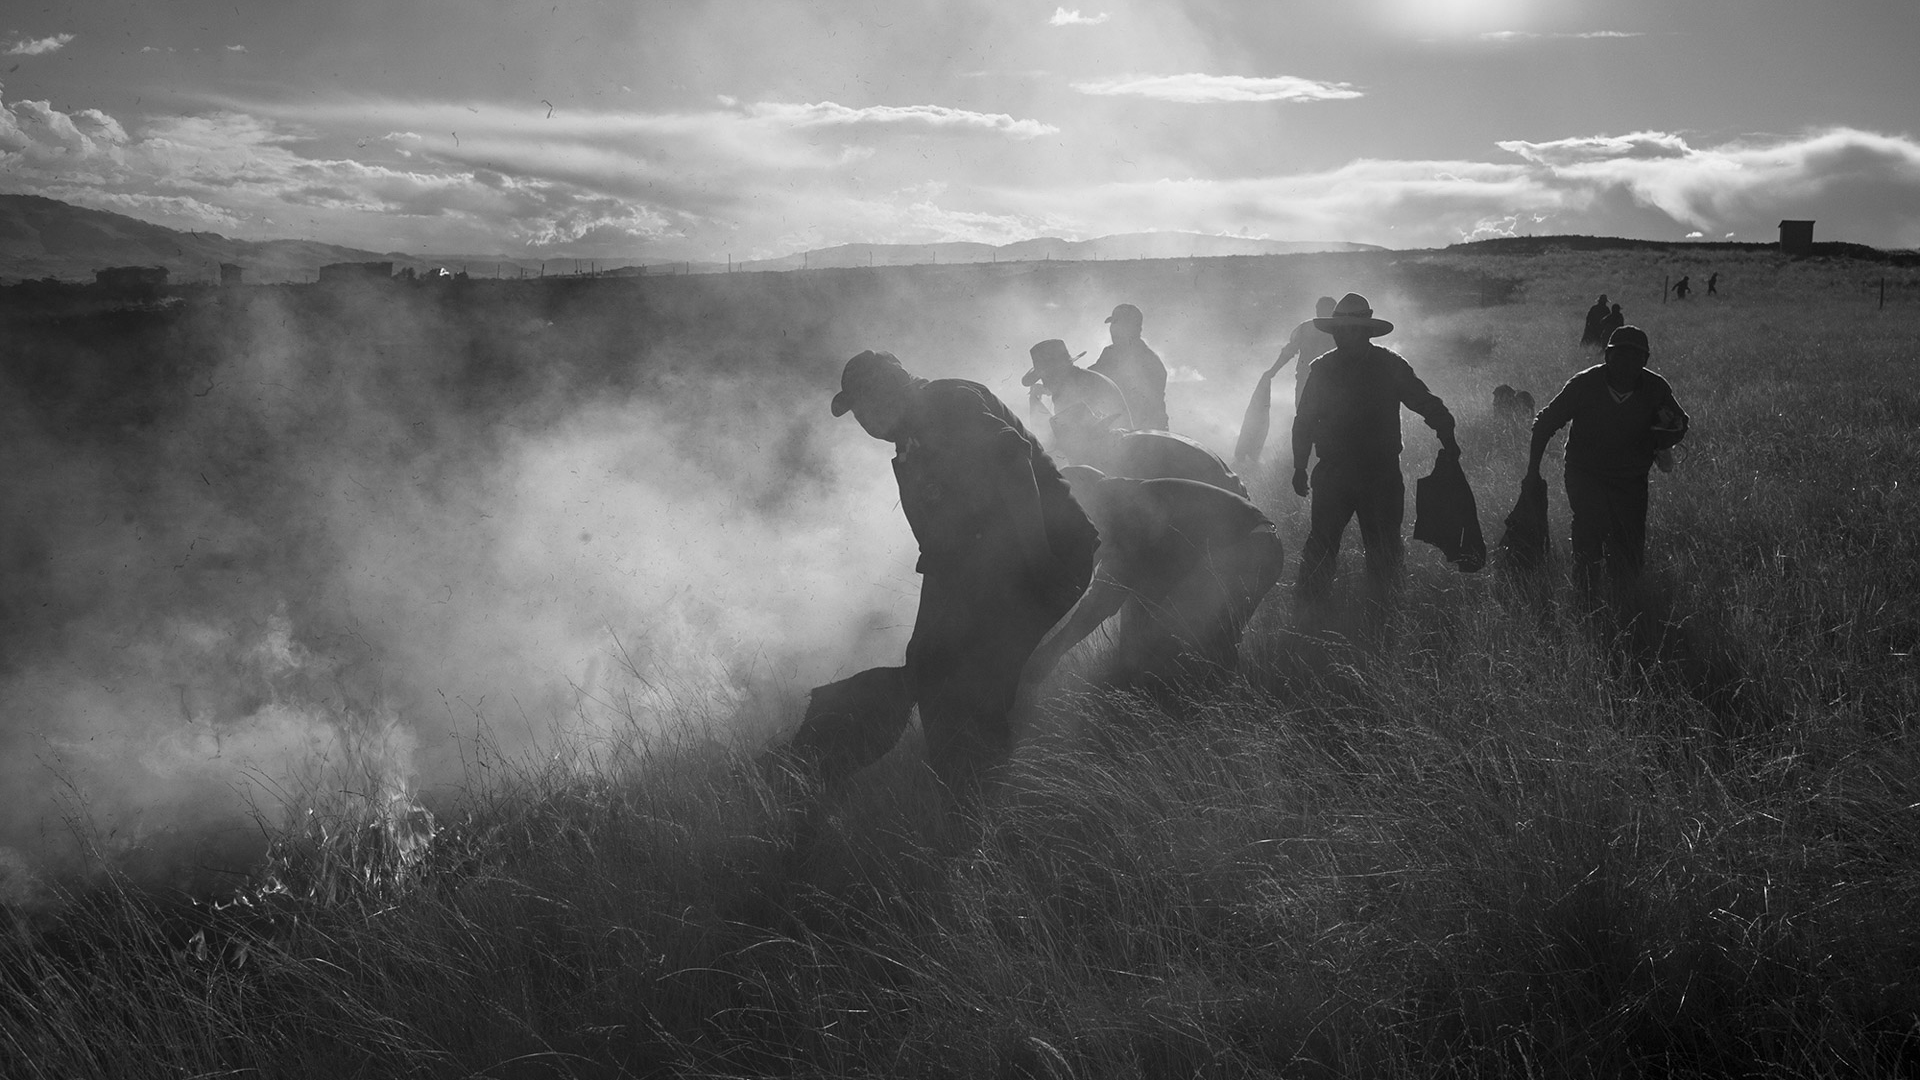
[(1444, 514)]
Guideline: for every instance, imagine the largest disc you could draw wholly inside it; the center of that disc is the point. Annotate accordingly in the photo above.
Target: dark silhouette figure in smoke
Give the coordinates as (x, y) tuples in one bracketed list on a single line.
[(1350, 414), (1682, 288), (1713, 283), (1514, 408), (1135, 368), (1623, 417), (1305, 343), (1072, 389), (1004, 553), (1594, 332), (1615, 320), (1184, 565), (1141, 455)]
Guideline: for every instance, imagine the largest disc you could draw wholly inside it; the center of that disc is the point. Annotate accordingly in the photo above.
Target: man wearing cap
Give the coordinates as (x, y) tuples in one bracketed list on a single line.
[(1088, 396), (1004, 551), (1349, 413), (1623, 417), (1184, 564), (1135, 369)]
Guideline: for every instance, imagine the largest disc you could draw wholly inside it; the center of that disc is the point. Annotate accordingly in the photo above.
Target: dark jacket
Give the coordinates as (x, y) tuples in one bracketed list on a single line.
[(1138, 372), (960, 456), (1614, 438), (1350, 411), (1445, 516)]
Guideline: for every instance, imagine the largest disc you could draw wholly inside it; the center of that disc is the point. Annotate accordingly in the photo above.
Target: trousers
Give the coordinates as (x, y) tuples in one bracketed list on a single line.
[(1609, 525), (1378, 497)]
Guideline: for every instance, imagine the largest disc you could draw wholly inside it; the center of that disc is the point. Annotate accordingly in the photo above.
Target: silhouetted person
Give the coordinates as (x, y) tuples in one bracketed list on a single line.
[(1135, 368), (1184, 564), (1681, 288), (1623, 416), (1594, 332), (1615, 320), (1513, 407), (1055, 375), (1713, 283), (1004, 553), (1350, 414), (1305, 343)]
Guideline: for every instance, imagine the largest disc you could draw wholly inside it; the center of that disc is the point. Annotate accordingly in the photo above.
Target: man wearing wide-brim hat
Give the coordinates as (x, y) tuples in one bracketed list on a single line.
[(1624, 419), (1134, 368), (1004, 552), (1074, 389), (1349, 414)]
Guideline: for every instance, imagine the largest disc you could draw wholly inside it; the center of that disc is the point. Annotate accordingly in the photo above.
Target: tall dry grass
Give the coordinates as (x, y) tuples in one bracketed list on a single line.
[(1492, 837)]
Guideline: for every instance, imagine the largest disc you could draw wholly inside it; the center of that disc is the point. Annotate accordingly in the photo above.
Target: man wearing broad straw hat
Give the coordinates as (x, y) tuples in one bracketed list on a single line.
[(1135, 368), (1004, 553), (1624, 419), (1349, 413), (1073, 388)]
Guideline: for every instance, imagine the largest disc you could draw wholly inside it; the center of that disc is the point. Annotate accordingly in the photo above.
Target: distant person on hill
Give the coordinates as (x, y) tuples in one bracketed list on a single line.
[(1682, 287), (1350, 415), (1005, 551), (1304, 343), (1135, 368), (1623, 417), (1713, 283), (1594, 333), (1071, 387), (1615, 320), (1183, 564)]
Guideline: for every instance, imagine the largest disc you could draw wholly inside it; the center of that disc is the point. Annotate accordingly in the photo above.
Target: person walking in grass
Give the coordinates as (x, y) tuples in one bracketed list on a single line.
[(1350, 415), (1594, 332), (1623, 418), (1135, 368), (1005, 551), (1305, 343)]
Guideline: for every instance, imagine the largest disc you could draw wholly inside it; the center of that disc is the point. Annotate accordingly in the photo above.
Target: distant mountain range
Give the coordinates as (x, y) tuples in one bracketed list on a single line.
[(41, 237)]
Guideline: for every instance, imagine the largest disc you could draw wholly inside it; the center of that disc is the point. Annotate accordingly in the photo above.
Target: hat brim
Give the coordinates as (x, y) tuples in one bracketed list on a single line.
[(1032, 376), (841, 403), (1372, 327)]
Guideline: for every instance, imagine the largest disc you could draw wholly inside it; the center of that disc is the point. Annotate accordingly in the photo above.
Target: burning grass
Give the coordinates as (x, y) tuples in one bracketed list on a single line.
[(1490, 838)]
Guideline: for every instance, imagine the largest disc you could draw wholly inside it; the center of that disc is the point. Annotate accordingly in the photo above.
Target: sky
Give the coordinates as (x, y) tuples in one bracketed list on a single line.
[(711, 129)]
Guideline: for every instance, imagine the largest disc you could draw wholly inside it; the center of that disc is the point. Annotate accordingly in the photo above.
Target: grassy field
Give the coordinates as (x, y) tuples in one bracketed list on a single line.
[(1493, 839)]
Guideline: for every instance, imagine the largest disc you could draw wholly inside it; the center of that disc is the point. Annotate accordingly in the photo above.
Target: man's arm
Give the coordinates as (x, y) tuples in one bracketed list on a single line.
[(1287, 352), (1415, 395), (1547, 422), (1104, 597), (1669, 422)]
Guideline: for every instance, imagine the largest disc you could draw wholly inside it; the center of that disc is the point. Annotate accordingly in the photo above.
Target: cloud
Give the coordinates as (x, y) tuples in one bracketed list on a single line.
[(1196, 89), (1528, 35), (236, 48), (1063, 17), (828, 114), (1640, 145), (39, 46)]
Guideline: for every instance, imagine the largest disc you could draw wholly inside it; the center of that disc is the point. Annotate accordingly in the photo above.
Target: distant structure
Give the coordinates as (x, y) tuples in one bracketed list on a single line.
[(1796, 236), (229, 275), (130, 278), (343, 273)]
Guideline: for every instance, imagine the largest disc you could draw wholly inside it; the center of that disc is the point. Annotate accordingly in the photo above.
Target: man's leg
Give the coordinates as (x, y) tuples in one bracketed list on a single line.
[(1243, 576), (1626, 528), (1382, 508), (1333, 504), (1587, 500)]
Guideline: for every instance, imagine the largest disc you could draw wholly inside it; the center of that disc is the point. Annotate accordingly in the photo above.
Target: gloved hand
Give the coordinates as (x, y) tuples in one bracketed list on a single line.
[(1300, 482)]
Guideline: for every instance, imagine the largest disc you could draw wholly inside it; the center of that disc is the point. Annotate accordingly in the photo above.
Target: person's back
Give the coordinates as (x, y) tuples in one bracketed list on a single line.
[(1350, 412), (1136, 369)]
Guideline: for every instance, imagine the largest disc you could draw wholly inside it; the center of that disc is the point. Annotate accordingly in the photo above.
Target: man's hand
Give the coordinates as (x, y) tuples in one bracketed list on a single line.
[(1300, 482)]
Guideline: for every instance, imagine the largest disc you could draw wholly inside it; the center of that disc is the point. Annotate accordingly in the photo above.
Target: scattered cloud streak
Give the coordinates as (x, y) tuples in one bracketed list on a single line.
[(1198, 89), (828, 114), (1529, 35), (1063, 17), (38, 46)]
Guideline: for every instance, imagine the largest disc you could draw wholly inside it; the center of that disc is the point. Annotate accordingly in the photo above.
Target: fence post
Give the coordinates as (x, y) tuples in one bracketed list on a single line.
[(1883, 293), (1664, 278)]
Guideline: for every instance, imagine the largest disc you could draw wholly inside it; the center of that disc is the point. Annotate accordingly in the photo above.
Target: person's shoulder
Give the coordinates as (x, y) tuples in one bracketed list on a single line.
[(1659, 384), (953, 397)]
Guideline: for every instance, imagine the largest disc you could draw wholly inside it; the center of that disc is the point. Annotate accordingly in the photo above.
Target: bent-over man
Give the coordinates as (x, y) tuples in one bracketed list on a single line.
[(1623, 417), (1072, 388), (1184, 564), (1350, 415), (1004, 552)]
